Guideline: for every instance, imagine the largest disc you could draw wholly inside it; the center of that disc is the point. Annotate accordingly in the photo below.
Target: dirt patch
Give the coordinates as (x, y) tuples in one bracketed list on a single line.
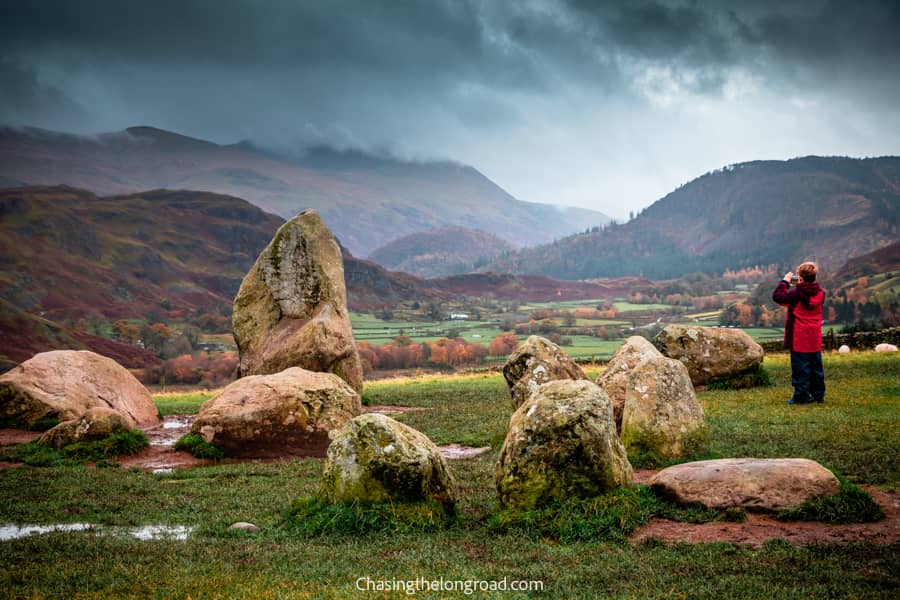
[(17, 436), (455, 451), (758, 528), (391, 410)]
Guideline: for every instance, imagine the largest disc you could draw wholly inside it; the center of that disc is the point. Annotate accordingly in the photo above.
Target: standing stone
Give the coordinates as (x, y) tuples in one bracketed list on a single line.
[(291, 309), (286, 414), (710, 353), (537, 361), (64, 384), (614, 378), (662, 416), (755, 484), (375, 458), (561, 443)]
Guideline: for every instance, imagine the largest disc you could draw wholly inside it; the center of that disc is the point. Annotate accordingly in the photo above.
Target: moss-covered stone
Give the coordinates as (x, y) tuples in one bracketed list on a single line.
[(662, 416), (291, 309), (377, 459), (561, 444), (537, 361), (96, 424), (710, 353), (614, 378)]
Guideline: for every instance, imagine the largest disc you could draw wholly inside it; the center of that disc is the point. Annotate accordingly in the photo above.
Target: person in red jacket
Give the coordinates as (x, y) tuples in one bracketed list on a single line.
[(803, 332)]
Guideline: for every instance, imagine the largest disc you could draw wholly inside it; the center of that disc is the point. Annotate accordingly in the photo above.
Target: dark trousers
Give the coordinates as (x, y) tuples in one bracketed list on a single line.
[(807, 377)]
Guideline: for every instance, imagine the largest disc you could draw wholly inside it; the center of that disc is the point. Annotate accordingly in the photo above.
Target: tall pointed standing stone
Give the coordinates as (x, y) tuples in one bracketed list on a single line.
[(291, 310)]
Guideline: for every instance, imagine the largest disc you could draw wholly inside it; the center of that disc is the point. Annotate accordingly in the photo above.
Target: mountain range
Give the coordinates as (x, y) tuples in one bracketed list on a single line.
[(441, 252), (827, 209), (69, 258), (366, 200)]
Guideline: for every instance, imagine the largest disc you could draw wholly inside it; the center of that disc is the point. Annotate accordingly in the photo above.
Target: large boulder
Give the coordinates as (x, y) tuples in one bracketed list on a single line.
[(614, 378), (286, 414), (662, 416), (710, 353), (537, 361), (62, 385), (755, 484), (96, 424), (291, 309), (375, 458), (561, 443)]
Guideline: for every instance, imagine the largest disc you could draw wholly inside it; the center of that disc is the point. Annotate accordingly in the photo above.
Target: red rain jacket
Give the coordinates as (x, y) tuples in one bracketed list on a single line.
[(803, 326)]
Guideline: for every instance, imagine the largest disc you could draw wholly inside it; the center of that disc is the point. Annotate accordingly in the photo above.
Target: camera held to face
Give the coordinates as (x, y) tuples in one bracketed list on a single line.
[(795, 280)]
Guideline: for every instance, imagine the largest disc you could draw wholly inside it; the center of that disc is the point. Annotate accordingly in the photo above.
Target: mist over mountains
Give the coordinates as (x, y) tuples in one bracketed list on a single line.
[(366, 200)]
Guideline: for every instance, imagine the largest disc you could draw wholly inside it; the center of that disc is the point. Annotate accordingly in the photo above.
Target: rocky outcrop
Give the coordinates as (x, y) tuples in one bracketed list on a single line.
[(754, 484), (291, 309), (375, 458), (62, 385), (710, 353), (662, 416), (96, 424), (614, 378), (286, 414), (561, 443), (537, 361)]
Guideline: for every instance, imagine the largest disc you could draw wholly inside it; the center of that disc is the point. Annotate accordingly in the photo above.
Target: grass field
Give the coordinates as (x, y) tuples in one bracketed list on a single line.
[(856, 433)]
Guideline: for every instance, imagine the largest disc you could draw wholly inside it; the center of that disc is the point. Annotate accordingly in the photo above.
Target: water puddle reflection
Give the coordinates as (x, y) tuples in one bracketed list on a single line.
[(9, 531)]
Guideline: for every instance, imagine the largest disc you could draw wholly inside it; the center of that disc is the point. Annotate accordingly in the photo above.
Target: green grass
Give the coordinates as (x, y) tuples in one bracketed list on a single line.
[(576, 553), (34, 454), (178, 403), (196, 446), (849, 505)]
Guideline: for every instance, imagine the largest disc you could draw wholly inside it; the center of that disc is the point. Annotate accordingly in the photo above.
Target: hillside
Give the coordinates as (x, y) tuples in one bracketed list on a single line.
[(67, 255), (441, 252), (367, 201), (883, 260), (756, 213), (25, 334)]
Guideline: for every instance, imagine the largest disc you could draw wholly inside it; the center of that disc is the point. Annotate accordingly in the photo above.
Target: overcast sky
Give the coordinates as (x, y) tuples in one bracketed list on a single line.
[(605, 105)]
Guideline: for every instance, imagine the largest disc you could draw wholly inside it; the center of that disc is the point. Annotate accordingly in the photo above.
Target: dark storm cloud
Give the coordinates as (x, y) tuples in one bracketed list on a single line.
[(583, 88)]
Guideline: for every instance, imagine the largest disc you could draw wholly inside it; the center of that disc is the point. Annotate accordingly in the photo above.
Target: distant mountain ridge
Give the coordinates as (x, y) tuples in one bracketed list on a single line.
[(829, 209), (367, 201), (441, 252)]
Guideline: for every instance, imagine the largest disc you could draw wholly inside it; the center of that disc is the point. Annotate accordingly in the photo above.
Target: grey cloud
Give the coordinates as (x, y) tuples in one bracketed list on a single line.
[(25, 99), (539, 91)]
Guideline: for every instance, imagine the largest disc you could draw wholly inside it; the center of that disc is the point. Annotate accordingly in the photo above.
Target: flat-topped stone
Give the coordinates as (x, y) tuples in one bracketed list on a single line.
[(754, 484)]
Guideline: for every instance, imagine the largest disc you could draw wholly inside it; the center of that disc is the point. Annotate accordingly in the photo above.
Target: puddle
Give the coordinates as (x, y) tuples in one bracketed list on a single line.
[(391, 410), (455, 451), (172, 428), (147, 532)]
